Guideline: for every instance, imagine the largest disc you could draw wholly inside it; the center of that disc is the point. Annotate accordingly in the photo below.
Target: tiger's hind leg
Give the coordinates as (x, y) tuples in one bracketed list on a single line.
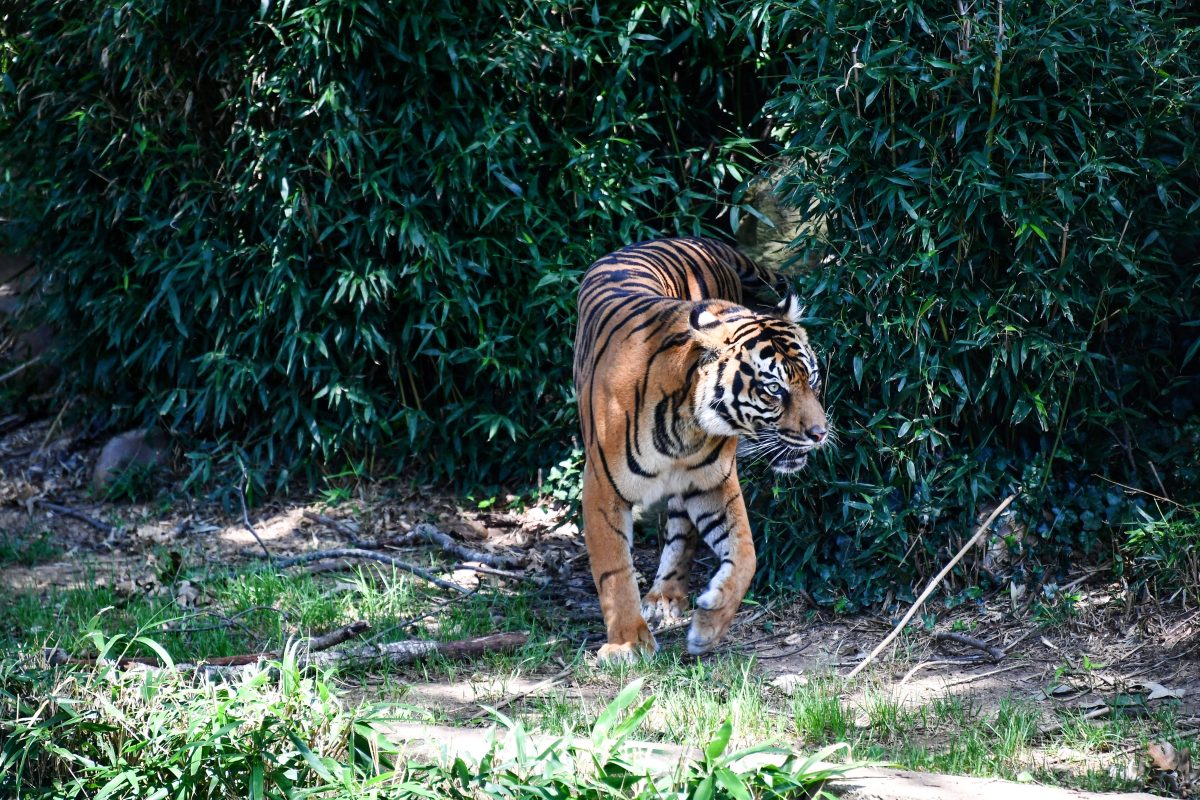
[(720, 517), (608, 532), (667, 599)]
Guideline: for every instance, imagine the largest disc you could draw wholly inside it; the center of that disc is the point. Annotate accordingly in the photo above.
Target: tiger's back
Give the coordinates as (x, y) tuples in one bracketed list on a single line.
[(669, 372)]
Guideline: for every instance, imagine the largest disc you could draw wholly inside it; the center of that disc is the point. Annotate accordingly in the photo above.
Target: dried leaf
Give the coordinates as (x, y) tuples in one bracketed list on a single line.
[(1163, 755)]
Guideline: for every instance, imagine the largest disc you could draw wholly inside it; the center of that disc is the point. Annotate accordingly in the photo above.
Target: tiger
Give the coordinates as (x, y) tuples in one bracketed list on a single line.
[(671, 371)]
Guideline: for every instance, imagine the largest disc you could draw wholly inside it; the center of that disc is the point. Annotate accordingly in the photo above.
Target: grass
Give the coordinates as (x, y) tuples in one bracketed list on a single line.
[(27, 548), (257, 611), (260, 610)]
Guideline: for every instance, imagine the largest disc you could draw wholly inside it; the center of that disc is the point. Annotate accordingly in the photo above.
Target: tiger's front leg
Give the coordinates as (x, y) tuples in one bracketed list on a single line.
[(667, 599), (720, 517), (608, 532)]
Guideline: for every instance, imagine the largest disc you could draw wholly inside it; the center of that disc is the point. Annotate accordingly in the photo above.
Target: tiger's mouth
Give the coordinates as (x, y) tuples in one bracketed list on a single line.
[(790, 461)]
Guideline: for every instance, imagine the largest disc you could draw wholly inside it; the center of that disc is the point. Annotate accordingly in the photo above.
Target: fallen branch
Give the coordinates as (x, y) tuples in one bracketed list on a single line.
[(13, 422), (350, 552), (67, 511), (332, 639), (933, 584), (450, 545), (246, 521), (996, 654), (56, 656), (941, 662), (330, 522), (540, 580), (413, 650), (316, 654)]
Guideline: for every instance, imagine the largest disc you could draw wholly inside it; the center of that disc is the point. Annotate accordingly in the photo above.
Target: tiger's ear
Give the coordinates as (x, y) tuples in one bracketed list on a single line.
[(707, 328), (789, 308)]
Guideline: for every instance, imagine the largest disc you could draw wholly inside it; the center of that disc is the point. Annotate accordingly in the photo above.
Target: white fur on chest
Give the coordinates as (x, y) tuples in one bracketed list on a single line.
[(671, 478)]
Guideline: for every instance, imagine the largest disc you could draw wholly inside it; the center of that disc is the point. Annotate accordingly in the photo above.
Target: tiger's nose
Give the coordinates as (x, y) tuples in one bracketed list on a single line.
[(817, 433)]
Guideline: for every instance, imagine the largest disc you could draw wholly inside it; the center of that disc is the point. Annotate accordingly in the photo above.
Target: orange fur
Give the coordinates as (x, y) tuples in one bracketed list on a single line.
[(671, 371)]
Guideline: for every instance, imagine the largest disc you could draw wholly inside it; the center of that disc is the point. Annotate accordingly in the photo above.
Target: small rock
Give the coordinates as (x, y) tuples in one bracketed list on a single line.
[(566, 529), (790, 682), (1163, 756), (133, 448)]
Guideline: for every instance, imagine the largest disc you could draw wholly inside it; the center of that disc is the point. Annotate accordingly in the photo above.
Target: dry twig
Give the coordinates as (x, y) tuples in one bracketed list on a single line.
[(246, 521), (933, 584), (414, 650), (980, 676), (449, 545), (12, 373), (350, 552), (330, 522), (67, 511), (56, 656), (994, 653), (537, 687), (540, 580), (963, 661)]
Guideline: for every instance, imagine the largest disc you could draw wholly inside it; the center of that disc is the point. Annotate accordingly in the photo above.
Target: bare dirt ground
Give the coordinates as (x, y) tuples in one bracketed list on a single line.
[(1107, 656)]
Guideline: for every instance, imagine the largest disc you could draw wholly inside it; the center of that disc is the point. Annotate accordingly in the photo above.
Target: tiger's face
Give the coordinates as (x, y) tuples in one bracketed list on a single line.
[(758, 379)]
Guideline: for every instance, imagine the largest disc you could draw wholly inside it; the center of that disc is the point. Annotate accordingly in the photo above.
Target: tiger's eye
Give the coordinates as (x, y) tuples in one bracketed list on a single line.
[(773, 388)]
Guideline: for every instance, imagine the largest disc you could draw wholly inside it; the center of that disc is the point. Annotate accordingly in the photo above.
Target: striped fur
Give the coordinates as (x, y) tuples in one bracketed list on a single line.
[(671, 371)]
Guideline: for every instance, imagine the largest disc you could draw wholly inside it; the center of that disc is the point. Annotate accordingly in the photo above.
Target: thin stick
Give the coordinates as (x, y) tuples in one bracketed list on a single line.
[(933, 584), (1136, 490), (995, 653), (67, 511), (540, 580), (12, 373), (980, 676), (54, 425), (246, 521), (432, 534), (330, 522), (350, 552), (964, 661), (537, 687)]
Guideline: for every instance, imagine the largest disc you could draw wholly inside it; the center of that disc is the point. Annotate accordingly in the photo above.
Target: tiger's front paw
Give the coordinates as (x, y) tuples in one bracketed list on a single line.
[(663, 607), (708, 626), (635, 647)]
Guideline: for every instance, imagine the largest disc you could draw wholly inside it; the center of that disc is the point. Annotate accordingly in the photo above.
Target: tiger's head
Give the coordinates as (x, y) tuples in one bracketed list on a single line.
[(758, 379)]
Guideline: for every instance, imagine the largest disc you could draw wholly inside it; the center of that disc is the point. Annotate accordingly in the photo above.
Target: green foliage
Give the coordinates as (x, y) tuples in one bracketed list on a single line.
[(27, 548), (1009, 292), (277, 733), (312, 232), (131, 734), (1162, 554), (346, 233)]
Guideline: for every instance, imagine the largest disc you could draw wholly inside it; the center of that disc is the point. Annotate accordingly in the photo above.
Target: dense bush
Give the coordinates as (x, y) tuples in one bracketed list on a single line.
[(1011, 275), (326, 230), (342, 231)]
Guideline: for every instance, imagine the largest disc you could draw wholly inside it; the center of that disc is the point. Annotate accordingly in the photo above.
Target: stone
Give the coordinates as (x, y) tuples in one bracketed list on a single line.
[(23, 345), (136, 448)]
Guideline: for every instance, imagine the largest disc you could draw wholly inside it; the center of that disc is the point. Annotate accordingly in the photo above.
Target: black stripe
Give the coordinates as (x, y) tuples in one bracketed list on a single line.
[(630, 461), (712, 526), (711, 457), (605, 576), (608, 474)]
